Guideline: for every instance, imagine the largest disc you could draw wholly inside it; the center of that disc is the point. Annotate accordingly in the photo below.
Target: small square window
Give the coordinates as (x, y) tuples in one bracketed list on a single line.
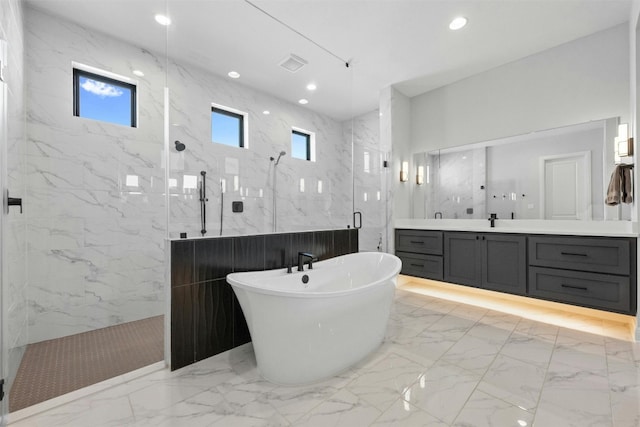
[(228, 126), (103, 98), (300, 144)]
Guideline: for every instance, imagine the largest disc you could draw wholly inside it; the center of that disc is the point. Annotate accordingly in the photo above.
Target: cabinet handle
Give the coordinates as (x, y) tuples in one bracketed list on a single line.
[(582, 288), (416, 242), (483, 237), (572, 254), (417, 265), (477, 237)]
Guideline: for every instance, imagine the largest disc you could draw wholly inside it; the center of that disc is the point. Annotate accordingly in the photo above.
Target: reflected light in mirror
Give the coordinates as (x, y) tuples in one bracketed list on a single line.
[(162, 20), (132, 181), (303, 101), (189, 182), (311, 87), (420, 175), (458, 23), (404, 172), (234, 74), (623, 144)]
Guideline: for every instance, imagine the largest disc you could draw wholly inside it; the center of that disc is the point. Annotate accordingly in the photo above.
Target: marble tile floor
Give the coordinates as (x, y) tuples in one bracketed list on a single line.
[(442, 363)]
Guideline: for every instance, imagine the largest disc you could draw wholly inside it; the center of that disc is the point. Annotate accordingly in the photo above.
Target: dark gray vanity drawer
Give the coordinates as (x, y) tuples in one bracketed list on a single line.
[(419, 241), (421, 265), (593, 290), (604, 255)]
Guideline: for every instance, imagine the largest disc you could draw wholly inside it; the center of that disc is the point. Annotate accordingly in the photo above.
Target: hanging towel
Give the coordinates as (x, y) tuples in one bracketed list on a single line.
[(619, 190), (627, 192)]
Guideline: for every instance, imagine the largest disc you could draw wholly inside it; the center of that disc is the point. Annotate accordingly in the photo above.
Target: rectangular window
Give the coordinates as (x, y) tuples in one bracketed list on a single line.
[(103, 98), (301, 144), (228, 126)]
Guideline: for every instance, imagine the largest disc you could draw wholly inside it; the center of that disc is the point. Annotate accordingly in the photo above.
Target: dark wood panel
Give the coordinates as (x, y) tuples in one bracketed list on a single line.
[(213, 318), (213, 259), (354, 243), (277, 251), (182, 262), (182, 327), (341, 242), (241, 333), (300, 242), (248, 253), (323, 247)]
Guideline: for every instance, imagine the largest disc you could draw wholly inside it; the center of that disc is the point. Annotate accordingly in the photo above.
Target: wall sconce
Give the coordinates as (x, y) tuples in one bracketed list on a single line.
[(404, 172), (420, 175), (623, 144)]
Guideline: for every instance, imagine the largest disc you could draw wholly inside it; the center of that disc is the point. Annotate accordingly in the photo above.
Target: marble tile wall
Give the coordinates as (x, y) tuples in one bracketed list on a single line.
[(15, 292), (95, 245), (323, 201), (456, 194)]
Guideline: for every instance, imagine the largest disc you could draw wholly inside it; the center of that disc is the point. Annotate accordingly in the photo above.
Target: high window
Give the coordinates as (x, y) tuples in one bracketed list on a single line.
[(103, 98), (302, 144), (228, 126)]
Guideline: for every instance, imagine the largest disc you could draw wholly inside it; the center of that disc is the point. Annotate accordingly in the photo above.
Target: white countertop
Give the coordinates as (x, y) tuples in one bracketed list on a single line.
[(573, 228)]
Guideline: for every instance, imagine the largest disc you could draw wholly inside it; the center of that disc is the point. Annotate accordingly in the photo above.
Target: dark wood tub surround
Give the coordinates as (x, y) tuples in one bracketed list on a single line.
[(206, 318)]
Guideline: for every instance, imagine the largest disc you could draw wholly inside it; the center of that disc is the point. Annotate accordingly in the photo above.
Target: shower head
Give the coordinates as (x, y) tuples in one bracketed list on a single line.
[(282, 153), (180, 146)]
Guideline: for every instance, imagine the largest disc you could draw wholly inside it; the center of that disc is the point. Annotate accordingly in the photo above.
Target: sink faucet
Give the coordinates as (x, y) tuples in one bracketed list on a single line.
[(493, 219), (301, 260), (436, 215)]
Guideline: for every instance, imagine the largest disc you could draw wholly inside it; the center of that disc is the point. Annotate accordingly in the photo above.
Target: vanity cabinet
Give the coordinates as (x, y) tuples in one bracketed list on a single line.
[(420, 252), (588, 271), (492, 261)]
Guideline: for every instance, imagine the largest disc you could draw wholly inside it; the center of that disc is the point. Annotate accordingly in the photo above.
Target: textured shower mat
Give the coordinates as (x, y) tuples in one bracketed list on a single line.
[(55, 367)]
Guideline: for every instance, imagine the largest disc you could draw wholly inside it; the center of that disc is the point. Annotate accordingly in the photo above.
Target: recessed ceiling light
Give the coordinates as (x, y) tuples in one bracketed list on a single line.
[(234, 74), (163, 20), (138, 73), (458, 23), (266, 112), (303, 101), (312, 86)]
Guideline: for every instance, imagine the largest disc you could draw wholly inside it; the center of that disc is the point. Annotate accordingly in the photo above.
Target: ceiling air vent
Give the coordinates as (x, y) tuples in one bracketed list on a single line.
[(293, 63)]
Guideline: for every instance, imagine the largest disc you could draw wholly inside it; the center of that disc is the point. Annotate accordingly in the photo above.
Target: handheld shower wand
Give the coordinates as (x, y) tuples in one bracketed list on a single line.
[(282, 153)]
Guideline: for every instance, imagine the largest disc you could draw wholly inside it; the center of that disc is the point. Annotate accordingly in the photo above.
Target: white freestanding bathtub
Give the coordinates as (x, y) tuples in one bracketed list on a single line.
[(305, 332)]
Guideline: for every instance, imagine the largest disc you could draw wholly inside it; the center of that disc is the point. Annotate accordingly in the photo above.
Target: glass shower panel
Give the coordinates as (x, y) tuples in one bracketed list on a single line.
[(370, 187), (94, 210), (13, 307), (261, 186)]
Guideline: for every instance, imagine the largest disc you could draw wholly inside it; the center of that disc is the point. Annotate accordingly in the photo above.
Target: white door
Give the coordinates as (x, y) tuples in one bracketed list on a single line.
[(566, 186)]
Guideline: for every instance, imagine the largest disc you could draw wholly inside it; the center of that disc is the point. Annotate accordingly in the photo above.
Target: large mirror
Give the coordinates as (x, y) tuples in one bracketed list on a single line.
[(553, 174)]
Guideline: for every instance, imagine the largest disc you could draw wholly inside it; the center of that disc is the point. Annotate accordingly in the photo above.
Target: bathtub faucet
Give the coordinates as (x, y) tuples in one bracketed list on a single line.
[(305, 255)]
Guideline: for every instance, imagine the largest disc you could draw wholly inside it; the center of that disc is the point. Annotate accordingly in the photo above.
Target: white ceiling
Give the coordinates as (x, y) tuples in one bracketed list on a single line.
[(405, 43)]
